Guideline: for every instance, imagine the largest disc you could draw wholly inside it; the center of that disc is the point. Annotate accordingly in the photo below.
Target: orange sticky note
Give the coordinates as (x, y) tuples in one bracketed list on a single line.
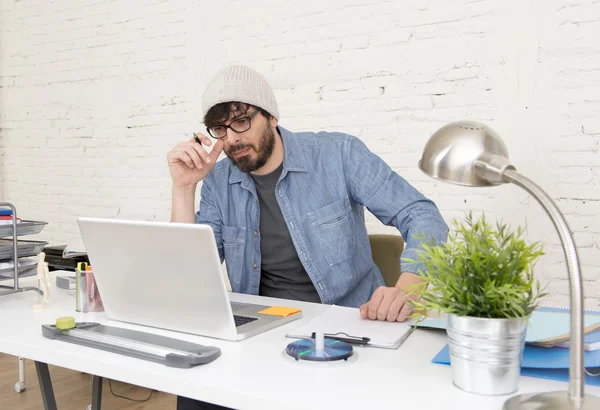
[(280, 311)]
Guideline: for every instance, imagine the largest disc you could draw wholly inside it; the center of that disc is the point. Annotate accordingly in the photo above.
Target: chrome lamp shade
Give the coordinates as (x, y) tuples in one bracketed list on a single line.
[(469, 153)]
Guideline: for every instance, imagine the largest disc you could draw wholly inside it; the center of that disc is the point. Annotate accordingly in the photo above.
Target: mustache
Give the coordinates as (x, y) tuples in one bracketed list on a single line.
[(239, 147)]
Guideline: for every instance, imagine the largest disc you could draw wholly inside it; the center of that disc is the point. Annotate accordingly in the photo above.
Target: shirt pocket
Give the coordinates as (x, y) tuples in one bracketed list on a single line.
[(333, 225), (234, 240)]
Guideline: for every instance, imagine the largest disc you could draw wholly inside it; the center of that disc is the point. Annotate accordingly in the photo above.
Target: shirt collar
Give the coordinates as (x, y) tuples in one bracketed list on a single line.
[(294, 158)]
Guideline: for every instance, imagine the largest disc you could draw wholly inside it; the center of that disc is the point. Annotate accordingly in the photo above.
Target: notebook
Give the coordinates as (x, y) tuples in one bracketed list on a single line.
[(346, 321)]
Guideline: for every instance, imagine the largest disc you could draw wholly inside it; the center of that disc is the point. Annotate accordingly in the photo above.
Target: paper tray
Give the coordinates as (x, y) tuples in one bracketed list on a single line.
[(24, 248), (23, 228), (8, 273)]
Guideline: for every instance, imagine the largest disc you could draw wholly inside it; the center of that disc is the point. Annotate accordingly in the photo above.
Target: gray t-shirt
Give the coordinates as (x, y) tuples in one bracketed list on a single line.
[(282, 273)]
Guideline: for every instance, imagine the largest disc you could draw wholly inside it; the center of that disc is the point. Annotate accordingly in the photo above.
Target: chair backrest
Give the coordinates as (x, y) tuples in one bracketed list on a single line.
[(386, 250)]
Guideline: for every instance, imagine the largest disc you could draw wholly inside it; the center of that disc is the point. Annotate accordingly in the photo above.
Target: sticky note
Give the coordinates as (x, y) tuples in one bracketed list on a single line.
[(280, 311)]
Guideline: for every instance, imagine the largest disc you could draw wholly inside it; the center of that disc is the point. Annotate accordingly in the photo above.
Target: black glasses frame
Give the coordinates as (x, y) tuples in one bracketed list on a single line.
[(248, 117)]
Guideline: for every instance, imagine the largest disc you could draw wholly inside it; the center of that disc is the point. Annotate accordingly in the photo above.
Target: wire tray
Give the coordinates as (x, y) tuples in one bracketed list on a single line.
[(24, 248), (23, 228), (24, 271)]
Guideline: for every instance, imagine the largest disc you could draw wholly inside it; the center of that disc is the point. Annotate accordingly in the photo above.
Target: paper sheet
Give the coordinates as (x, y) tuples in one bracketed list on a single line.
[(347, 320)]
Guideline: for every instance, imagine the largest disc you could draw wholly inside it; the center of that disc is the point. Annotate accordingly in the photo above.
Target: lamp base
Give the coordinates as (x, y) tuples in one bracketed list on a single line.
[(550, 401)]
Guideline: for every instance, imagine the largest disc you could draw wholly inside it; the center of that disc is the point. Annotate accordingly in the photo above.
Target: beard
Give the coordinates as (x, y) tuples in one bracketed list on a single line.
[(266, 144)]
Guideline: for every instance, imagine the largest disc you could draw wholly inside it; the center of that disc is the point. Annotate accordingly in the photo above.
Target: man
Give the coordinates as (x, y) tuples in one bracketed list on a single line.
[(287, 209)]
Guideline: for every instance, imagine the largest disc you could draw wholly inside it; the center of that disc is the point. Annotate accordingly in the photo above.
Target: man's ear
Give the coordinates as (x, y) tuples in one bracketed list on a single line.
[(273, 122)]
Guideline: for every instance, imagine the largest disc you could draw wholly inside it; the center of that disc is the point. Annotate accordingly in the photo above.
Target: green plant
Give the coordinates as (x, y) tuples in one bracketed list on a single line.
[(479, 271)]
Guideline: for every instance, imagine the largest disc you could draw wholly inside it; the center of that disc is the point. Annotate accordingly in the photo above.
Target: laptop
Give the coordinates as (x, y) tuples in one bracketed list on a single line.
[(168, 275)]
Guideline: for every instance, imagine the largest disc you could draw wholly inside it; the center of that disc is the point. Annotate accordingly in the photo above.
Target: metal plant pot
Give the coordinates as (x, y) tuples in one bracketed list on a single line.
[(486, 354)]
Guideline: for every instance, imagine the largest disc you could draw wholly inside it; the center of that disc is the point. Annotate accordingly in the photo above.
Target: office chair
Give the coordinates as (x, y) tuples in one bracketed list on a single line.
[(386, 250)]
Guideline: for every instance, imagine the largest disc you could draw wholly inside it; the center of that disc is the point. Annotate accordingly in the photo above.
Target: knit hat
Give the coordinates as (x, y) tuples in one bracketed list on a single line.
[(239, 83)]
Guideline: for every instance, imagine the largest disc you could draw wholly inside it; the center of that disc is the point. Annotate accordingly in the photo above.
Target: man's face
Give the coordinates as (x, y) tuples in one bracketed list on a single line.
[(251, 149)]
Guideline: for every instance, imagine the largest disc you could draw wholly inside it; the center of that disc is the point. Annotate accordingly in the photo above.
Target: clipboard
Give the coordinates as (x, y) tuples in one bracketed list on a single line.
[(345, 324)]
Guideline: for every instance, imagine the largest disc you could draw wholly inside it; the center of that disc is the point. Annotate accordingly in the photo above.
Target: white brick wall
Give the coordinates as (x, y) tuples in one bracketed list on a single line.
[(94, 93)]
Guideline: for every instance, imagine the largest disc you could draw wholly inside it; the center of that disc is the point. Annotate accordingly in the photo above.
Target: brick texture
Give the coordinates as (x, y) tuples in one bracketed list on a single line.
[(93, 95)]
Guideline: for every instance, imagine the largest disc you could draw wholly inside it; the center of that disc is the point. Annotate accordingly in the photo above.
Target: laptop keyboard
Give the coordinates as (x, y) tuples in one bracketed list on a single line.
[(242, 320)]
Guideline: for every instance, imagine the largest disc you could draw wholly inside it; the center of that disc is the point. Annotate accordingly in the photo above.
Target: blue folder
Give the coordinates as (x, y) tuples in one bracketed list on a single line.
[(546, 363), (5, 212)]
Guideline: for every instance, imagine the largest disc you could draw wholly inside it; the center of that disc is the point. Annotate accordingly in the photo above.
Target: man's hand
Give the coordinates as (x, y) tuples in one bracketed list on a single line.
[(189, 162), (388, 303)]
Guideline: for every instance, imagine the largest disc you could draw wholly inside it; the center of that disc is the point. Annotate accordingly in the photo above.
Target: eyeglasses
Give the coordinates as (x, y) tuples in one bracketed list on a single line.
[(238, 125)]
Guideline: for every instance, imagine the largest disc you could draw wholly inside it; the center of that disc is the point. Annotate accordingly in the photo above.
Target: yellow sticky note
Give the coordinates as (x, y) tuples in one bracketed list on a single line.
[(280, 311)]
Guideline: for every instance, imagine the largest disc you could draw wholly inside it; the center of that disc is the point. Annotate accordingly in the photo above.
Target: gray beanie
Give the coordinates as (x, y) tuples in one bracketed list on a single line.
[(239, 83)]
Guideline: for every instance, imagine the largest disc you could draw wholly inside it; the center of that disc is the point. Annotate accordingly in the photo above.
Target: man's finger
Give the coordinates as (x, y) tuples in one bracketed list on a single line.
[(216, 151), (395, 307), (364, 311), (203, 138), (384, 306), (193, 154), (374, 303), (184, 157), (199, 149), (405, 312)]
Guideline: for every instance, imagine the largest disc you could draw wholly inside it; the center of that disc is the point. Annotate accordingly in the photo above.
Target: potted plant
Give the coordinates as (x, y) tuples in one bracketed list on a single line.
[(482, 278)]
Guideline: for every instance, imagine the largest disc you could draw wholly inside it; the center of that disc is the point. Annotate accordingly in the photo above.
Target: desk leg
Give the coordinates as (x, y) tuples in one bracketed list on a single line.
[(45, 386), (96, 393)]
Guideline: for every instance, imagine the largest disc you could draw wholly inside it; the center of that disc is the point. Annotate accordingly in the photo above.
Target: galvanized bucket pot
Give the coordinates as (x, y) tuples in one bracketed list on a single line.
[(486, 354)]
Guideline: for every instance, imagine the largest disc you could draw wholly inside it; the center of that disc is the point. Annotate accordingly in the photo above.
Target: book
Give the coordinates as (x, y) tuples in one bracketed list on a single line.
[(346, 324)]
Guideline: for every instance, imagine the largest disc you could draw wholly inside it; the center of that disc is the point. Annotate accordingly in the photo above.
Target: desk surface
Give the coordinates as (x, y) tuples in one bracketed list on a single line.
[(256, 373)]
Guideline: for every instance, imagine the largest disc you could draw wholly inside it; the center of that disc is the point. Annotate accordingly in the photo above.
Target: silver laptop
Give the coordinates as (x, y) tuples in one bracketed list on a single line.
[(168, 275)]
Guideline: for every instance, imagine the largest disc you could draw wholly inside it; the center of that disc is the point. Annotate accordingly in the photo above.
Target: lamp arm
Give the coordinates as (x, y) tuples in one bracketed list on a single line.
[(576, 368)]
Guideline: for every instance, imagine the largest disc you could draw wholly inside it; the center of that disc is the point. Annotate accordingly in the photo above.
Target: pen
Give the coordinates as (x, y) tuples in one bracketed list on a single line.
[(346, 338), (197, 139)]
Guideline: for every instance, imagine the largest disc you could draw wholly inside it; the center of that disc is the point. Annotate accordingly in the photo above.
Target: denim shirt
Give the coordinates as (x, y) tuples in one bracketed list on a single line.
[(327, 181)]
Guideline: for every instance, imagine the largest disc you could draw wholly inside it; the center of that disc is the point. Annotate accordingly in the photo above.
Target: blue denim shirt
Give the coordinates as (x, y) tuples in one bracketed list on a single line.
[(327, 181)]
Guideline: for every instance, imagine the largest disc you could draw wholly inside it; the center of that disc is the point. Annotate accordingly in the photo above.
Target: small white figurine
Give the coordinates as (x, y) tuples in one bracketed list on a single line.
[(43, 279)]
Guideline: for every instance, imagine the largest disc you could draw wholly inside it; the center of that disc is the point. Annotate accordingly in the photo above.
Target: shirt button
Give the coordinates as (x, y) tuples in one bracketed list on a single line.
[(255, 266), (255, 233)]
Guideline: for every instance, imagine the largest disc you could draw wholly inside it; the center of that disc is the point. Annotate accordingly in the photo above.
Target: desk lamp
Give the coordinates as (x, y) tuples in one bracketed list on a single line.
[(469, 153)]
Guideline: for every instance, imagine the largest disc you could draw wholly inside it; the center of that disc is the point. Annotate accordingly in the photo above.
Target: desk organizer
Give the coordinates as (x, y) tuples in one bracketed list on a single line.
[(13, 249)]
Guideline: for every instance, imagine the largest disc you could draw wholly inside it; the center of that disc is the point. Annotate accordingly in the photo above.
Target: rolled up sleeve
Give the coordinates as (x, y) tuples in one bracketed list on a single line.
[(395, 202)]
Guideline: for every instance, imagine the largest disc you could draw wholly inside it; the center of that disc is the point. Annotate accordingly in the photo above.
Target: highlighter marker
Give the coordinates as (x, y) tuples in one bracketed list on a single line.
[(81, 266)]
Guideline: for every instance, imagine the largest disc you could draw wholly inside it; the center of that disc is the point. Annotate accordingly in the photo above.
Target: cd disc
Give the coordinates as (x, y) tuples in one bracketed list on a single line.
[(305, 349)]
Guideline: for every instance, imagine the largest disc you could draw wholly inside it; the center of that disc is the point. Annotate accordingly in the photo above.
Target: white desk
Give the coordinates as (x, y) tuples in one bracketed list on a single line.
[(256, 373)]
